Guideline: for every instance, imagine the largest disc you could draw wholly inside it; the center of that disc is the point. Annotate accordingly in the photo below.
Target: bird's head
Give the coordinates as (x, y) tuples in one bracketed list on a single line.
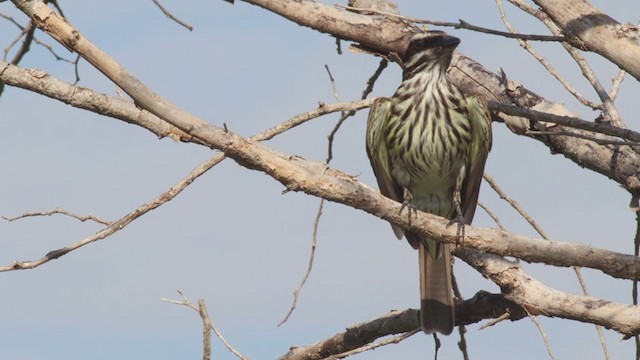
[(430, 50)]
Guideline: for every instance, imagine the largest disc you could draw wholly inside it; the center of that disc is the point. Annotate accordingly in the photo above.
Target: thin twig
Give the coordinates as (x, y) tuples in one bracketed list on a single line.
[(583, 284), (76, 71), (167, 196), (345, 114), (462, 344), (569, 121), (607, 103), (55, 55), (392, 340), (616, 81), (493, 322), (544, 335), (543, 61), (206, 334), (492, 215), (514, 204), (343, 117), (314, 240), (494, 185), (201, 309), (312, 256), (57, 6), (58, 211), (461, 24), (372, 80), (170, 15), (11, 19), (26, 43), (634, 289), (586, 137)]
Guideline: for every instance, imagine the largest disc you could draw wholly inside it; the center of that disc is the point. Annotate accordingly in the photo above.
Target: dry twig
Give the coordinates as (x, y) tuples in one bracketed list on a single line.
[(544, 335), (491, 214), (312, 256), (372, 346), (569, 121), (543, 61), (58, 211), (201, 309), (607, 103), (168, 14), (330, 137), (461, 24), (167, 196)]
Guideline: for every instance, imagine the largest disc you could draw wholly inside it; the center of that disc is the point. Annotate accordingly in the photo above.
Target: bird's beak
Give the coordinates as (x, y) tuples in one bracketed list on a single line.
[(449, 41)]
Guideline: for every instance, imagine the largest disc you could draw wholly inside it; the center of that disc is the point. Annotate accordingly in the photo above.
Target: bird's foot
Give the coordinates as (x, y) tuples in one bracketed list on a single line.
[(460, 231), (407, 203)]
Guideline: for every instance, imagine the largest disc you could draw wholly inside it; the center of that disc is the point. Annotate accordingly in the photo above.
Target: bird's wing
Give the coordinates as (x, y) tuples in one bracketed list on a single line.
[(378, 156), (480, 145)]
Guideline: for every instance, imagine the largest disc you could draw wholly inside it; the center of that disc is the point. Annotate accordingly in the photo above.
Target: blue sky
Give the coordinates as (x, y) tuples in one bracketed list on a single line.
[(232, 238)]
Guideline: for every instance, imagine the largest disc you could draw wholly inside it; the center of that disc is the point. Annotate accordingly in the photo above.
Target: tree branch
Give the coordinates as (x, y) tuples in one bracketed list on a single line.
[(589, 29), (461, 24), (539, 299), (317, 179), (389, 36), (480, 307)]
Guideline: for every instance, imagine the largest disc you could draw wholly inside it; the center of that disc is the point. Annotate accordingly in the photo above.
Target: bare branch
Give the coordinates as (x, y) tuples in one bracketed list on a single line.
[(539, 299), (385, 35), (616, 81), (501, 318), (201, 309), (126, 110), (461, 24), (12, 20), (312, 256), (587, 28), (117, 225), (583, 136), (208, 325), (168, 14), (314, 178), (462, 329), (27, 33), (392, 340), (634, 288), (372, 80), (493, 216), (481, 306), (55, 55), (58, 211), (494, 185), (514, 204), (120, 107), (569, 121), (543, 61), (544, 335), (607, 103), (206, 334), (345, 115)]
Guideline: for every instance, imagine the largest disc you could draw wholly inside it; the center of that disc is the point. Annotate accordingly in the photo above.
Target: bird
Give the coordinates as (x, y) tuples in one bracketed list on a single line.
[(428, 145)]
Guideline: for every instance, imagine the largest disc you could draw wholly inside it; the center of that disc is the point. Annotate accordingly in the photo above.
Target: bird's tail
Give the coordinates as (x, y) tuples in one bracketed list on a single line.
[(436, 305)]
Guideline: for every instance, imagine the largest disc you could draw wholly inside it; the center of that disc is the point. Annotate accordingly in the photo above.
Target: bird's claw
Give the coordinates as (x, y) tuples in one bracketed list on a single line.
[(460, 231), (410, 209)]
